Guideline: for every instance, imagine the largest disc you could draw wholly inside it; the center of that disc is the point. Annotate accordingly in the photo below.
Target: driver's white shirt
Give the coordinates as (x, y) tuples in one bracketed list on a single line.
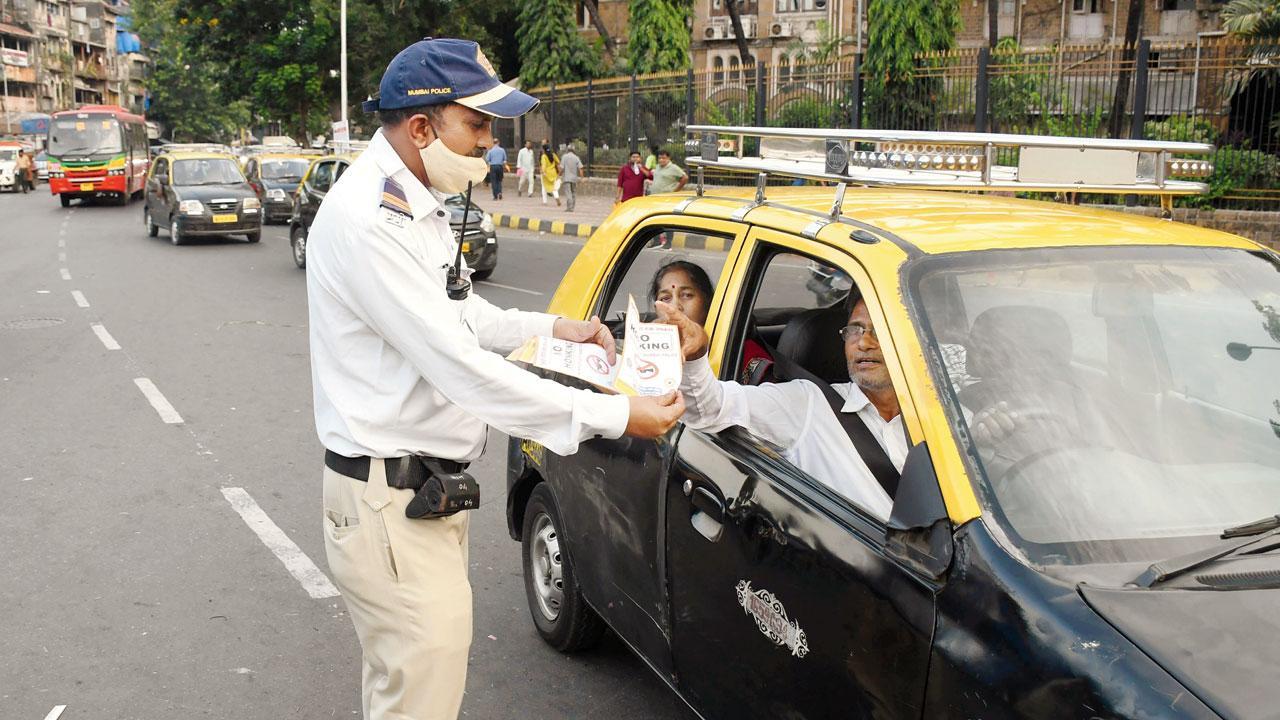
[(398, 368), (796, 417)]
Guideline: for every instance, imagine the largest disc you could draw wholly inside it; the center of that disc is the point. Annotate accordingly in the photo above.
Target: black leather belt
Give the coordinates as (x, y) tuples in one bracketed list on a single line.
[(407, 472)]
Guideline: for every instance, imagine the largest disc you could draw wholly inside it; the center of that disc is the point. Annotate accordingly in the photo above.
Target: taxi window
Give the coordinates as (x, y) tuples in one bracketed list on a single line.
[(685, 263), (788, 331), (322, 176)]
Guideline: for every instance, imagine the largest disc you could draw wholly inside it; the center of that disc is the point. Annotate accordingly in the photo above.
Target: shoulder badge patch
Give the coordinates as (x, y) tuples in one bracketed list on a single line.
[(394, 204), (771, 618)]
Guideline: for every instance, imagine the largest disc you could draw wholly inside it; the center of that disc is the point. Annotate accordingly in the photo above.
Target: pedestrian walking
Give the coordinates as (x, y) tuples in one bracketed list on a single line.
[(26, 171), (572, 166), (550, 173), (631, 179), (407, 377), (497, 159), (524, 168)]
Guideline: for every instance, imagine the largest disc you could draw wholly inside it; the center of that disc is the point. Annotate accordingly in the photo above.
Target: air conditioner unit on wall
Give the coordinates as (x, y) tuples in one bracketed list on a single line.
[(779, 29), (713, 32), (748, 28)]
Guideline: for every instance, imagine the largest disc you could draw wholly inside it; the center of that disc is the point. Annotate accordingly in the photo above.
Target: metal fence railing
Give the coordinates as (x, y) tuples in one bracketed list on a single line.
[(1222, 90)]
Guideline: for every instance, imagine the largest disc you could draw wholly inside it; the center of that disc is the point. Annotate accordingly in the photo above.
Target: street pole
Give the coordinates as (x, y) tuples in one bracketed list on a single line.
[(342, 32)]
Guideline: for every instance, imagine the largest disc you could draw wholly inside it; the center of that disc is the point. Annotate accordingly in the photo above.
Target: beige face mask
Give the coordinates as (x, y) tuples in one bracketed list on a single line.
[(450, 172)]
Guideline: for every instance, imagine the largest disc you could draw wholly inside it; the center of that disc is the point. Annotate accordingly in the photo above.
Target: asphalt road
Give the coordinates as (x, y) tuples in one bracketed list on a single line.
[(132, 587)]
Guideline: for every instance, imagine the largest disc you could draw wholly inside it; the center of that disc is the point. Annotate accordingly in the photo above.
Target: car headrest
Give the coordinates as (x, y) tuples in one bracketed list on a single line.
[(811, 340), (1018, 338)]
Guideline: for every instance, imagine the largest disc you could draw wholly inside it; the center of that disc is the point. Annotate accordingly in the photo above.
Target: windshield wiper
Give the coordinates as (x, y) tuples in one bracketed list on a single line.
[(1252, 528), (1164, 570)]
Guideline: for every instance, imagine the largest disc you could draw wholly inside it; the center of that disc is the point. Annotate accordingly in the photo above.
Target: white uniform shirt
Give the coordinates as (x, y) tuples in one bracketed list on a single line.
[(796, 417), (524, 159), (397, 367)]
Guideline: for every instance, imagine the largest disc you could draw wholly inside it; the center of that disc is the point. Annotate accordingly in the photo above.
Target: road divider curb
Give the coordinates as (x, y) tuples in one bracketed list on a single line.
[(682, 240), (555, 227)]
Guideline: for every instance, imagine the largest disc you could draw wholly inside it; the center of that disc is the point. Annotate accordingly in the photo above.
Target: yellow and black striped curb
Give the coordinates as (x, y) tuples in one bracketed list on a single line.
[(683, 240), (557, 227)]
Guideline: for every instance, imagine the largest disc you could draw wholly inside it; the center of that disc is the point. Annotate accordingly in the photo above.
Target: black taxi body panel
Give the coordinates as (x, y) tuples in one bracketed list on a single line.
[(1013, 642), (784, 605)]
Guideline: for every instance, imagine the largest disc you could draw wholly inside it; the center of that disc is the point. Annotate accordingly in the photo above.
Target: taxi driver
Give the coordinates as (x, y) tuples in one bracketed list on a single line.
[(796, 415)]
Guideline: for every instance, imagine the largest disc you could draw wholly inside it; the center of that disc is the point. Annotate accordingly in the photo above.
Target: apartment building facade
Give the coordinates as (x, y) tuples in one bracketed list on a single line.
[(58, 54)]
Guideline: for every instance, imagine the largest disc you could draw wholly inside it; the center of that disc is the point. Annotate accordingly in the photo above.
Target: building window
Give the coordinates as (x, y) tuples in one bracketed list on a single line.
[(1178, 4), (734, 71), (717, 67), (784, 70), (1085, 6)]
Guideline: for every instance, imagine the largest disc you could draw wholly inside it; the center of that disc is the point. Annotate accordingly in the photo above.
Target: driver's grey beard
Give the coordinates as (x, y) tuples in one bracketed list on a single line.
[(867, 383)]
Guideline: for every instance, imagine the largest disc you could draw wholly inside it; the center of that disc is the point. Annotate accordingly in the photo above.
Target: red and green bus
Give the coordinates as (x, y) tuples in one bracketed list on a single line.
[(97, 151)]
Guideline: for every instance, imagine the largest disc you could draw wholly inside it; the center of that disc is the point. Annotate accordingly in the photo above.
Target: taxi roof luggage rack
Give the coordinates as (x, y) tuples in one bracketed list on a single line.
[(955, 161)]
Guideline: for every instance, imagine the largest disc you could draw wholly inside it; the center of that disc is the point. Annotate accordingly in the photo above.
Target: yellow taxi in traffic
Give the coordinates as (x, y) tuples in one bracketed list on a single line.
[(1068, 507), (199, 193)]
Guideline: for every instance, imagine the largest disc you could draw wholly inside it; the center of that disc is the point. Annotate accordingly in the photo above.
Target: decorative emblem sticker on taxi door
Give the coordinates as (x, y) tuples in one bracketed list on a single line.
[(771, 618)]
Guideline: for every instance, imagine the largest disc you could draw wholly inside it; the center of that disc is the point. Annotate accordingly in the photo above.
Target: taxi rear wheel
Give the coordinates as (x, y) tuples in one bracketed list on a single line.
[(560, 614)]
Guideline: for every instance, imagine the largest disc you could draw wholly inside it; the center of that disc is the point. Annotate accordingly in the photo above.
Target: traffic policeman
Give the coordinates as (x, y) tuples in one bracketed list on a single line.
[(408, 378)]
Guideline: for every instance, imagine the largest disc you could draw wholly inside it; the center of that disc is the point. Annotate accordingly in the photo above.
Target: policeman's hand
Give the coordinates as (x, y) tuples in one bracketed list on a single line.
[(586, 331), (652, 417), (693, 337)]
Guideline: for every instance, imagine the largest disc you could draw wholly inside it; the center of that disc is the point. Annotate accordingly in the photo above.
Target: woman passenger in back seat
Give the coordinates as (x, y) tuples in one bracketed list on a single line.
[(687, 287)]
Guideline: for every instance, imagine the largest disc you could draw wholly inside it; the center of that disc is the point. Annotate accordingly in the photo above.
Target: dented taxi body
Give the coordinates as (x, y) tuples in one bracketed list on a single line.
[(755, 591)]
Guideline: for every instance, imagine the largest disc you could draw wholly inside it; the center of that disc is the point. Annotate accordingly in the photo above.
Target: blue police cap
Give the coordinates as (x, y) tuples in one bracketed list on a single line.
[(435, 71)]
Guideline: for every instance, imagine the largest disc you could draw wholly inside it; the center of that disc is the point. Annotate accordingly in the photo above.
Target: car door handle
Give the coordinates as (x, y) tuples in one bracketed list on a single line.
[(706, 502)]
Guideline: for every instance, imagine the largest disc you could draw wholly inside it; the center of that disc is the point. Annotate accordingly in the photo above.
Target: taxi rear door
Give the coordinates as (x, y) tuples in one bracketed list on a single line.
[(784, 599)]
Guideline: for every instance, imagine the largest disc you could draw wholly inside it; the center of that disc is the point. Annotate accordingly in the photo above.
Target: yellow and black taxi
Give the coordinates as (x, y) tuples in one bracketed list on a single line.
[(1086, 521), (200, 194), (479, 247), (275, 177), (319, 176)]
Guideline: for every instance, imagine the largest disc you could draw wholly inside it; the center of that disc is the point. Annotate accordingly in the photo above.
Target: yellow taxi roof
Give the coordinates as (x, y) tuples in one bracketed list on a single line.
[(284, 156), (939, 222), (182, 155)]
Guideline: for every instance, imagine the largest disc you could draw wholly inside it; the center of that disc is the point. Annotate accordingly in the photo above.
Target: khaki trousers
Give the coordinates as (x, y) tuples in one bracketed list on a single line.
[(405, 585)]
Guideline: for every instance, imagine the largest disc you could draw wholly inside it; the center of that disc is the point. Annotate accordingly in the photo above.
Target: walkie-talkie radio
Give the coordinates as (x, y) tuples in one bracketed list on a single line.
[(443, 494), (458, 287)]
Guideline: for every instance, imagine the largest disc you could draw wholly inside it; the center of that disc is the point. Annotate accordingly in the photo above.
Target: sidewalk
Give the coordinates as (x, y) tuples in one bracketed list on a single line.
[(528, 213)]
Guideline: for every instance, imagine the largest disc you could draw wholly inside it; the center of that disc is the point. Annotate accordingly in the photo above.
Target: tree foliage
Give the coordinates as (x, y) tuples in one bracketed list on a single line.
[(550, 47), (280, 58), (187, 87), (1252, 18), (897, 31), (659, 38)]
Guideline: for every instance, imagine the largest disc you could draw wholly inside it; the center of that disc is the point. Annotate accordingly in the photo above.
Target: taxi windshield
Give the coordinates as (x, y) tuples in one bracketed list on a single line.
[(283, 169), (1121, 403), (8, 154), (213, 171)]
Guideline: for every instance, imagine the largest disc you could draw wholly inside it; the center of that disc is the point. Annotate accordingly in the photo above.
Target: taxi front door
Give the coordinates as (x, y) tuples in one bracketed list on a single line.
[(784, 603)]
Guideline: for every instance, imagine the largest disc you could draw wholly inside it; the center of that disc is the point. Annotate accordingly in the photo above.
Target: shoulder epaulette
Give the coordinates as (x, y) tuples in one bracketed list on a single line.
[(393, 198)]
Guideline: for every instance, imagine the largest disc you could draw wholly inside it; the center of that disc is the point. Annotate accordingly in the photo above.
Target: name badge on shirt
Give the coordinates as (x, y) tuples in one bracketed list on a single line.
[(391, 217)]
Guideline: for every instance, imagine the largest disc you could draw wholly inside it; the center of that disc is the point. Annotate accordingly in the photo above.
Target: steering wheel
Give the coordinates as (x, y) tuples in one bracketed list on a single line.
[(1005, 447)]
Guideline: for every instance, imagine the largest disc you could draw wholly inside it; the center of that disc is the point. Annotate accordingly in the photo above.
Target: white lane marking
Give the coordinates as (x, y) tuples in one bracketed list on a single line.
[(158, 401), (66, 274), (105, 337), (55, 713), (62, 257), (508, 287), (62, 242), (315, 582), (79, 298)]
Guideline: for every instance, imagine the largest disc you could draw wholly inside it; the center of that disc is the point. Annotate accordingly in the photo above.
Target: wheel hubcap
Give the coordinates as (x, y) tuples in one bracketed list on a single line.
[(545, 567), (300, 247)]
